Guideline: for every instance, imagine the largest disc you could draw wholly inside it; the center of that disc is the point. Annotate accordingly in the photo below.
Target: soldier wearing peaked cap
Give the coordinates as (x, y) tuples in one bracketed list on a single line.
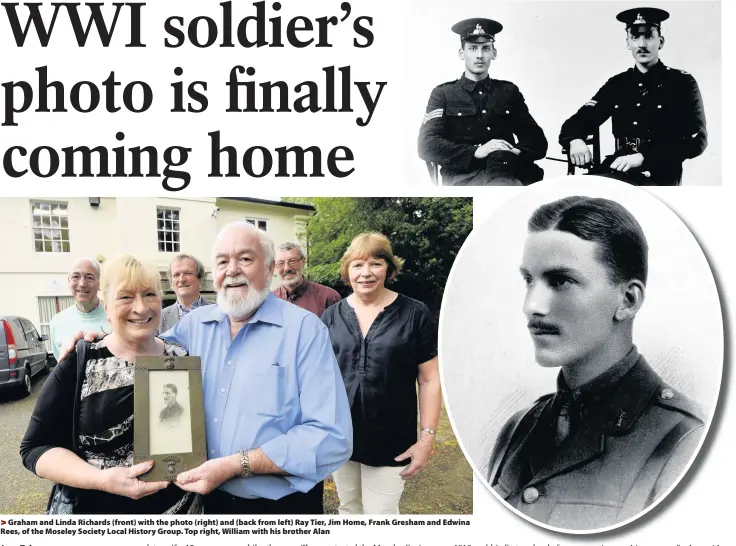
[(477, 128), (656, 111), (614, 437)]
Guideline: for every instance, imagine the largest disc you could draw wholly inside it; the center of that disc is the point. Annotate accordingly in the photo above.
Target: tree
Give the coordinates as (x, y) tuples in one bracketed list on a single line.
[(427, 232)]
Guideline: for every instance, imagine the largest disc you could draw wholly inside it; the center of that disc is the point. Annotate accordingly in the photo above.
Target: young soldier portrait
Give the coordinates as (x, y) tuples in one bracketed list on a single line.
[(656, 111), (583, 385), (614, 436), (478, 129)]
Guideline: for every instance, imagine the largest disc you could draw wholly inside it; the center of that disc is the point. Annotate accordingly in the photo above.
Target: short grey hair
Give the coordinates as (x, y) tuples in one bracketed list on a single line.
[(197, 263), (263, 238), (291, 245), (94, 263)]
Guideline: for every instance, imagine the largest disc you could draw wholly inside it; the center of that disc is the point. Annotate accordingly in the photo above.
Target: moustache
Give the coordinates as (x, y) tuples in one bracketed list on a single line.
[(642, 51), (541, 327), (240, 279)]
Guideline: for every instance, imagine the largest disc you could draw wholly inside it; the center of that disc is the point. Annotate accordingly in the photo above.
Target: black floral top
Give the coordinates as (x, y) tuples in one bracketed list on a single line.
[(104, 429)]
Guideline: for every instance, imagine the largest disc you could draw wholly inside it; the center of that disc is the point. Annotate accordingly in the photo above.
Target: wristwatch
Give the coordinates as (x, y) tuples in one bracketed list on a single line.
[(245, 469), (431, 431)]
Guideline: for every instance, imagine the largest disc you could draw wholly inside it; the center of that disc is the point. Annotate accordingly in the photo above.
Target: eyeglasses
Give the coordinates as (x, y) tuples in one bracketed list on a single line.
[(76, 277), (292, 262)]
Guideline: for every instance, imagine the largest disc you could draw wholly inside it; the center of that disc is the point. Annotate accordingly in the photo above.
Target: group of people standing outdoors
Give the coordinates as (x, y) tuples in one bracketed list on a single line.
[(298, 383)]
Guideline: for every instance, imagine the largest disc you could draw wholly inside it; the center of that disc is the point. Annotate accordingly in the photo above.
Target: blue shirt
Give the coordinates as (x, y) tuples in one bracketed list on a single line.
[(276, 386)]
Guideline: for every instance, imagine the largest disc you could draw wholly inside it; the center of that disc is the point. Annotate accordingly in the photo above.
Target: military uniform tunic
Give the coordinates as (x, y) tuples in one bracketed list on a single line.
[(464, 114), (631, 440), (658, 114)]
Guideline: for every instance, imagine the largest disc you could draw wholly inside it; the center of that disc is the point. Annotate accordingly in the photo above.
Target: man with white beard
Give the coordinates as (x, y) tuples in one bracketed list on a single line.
[(277, 417)]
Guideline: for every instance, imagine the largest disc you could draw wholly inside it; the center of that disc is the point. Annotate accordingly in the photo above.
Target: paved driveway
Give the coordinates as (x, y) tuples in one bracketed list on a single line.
[(21, 492)]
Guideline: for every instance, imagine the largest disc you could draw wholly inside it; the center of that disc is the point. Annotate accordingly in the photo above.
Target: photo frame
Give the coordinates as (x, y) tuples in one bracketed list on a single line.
[(168, 415)]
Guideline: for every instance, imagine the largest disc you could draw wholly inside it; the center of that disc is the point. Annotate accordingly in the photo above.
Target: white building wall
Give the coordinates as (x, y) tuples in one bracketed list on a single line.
[(117, 226)]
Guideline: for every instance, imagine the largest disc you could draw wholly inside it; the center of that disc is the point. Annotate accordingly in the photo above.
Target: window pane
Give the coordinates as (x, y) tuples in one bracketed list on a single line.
[(262, 225), (37, 234), (45, 206), (176, 247), (175, 226), (167, 225), (161, 246), (175, 215), (160, 224), (176, 236), (47, 245), (64, 221), (55, 222), (36, 221), (56, 246), (39, 245), (250, 221), (36, 209), (160, 214), (46, 221), (65, 246), (65, 234)]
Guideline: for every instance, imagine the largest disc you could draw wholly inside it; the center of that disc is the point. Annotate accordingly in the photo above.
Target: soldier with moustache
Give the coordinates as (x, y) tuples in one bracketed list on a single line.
[(614, 436), (477, 128), (656, 111)]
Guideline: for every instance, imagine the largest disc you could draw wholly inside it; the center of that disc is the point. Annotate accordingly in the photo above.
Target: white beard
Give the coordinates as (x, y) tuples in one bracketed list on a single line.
[(291, 284), (235, 305)]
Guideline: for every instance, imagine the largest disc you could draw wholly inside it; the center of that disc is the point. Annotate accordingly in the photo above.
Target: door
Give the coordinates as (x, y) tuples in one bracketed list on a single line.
[(36, 349), (48, 306)]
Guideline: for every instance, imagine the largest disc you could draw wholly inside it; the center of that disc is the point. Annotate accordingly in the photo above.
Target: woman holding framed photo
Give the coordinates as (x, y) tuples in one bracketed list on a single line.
[(81, 431)]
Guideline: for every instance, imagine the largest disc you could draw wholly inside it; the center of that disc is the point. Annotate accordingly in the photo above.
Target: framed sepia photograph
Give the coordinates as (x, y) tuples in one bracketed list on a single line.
[(169, 415)]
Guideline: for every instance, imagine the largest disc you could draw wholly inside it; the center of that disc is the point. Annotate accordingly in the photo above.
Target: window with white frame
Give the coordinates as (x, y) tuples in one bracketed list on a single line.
[(167, 229), (259, 223), (50, 225)]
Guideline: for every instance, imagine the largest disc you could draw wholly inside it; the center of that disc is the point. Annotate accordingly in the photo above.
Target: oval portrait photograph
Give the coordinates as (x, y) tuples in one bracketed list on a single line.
[(581, 352)]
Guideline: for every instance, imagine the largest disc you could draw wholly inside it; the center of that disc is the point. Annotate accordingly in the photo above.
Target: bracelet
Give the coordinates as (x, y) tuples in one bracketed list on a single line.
[(431, 431), (245, 469)]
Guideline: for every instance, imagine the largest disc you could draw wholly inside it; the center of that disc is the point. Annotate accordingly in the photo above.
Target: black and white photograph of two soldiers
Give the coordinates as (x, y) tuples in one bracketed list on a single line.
[(522, 91)]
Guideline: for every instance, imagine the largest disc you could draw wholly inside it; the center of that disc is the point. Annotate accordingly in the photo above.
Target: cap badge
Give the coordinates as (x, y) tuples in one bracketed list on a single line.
[(639, 19), (479, 30)]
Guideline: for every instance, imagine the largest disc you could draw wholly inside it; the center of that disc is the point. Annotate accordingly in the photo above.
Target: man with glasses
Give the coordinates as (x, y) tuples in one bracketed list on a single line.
[(656, 112), (295, 288), (185, 274), (87, 313)]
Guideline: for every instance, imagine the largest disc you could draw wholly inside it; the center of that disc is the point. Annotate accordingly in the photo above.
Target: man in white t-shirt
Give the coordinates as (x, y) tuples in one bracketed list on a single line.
[(87, 312)]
